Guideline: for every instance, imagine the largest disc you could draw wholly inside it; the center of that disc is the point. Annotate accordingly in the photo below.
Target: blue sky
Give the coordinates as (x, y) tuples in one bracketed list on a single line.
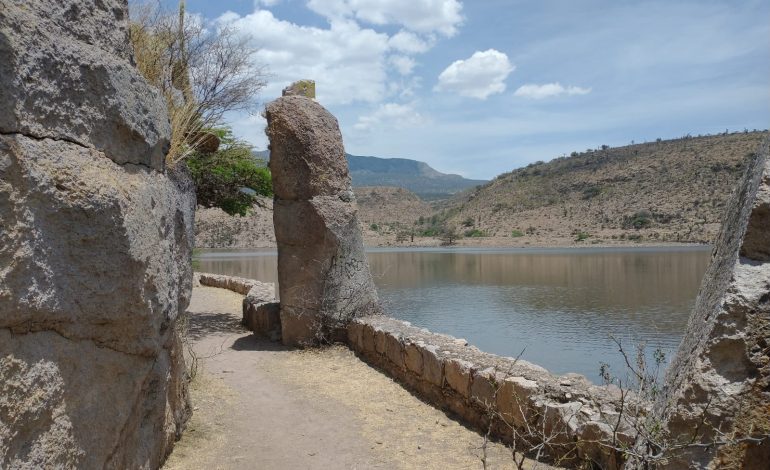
[(485, 86)]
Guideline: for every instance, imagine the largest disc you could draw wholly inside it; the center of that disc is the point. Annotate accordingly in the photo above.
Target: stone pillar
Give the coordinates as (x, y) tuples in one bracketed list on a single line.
[(323, 273), (718, 386), (95, 244)]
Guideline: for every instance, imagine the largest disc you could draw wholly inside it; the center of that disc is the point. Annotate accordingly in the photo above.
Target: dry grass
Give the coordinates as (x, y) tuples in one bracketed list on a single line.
[(674, 190)]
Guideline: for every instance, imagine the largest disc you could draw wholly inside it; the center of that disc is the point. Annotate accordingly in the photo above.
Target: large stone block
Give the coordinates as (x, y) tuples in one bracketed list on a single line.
[(720, 377), (323, 272), (432, 366), (458, 373), (514, 400), (413, 357), (95, 245), (67, 74), (394, 350)]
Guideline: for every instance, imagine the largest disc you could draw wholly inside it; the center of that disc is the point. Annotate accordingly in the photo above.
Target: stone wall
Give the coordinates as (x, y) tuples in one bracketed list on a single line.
[(516, 401), (261, 312)]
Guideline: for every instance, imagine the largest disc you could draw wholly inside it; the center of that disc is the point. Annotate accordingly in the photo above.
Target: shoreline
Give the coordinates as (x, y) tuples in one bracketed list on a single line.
[(459, 247)]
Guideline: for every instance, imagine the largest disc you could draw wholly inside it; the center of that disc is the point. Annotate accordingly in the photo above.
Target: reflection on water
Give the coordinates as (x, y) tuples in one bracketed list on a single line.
[(559, 306)]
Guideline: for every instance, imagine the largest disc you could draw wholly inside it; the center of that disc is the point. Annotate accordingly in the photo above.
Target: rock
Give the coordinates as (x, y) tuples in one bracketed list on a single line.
[(67, 74), (720, 377), (95, 246), (323, 272), (304, 88)]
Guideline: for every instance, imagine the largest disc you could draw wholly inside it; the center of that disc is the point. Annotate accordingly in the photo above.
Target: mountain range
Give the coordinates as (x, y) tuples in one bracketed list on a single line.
[(416, 176)]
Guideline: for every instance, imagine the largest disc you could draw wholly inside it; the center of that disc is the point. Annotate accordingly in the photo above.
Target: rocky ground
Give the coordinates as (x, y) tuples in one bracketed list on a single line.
[(258, 404)]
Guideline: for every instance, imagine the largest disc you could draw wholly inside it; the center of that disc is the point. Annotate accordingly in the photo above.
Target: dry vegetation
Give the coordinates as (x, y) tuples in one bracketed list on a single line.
[(670, 191), (667, 191)]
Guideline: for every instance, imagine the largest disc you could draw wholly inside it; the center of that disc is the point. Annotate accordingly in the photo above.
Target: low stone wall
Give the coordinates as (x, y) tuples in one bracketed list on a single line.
[(261, 313), (240, 285), (518, 402)]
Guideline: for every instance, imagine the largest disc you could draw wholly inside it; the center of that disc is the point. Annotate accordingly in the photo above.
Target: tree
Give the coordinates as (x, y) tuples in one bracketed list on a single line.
[(448, 235), (230, 178), (203, 71)]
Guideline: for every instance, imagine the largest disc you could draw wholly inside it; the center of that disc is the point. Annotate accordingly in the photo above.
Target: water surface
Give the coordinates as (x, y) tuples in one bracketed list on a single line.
[(558, 306)]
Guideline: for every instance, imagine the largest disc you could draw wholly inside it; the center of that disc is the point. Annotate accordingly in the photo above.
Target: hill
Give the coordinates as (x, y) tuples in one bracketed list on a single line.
[(665, 191), (413, 175), (416, 176)]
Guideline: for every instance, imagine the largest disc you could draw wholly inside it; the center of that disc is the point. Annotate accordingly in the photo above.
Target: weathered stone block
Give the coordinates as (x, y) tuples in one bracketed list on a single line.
[(356, 336), (514, 400), (484, 387), (413, 358), (720, 376), (322, 266), (268, 320), (432, 365), (298, 328), (380, 340), (458, 375), (394, 350), (304, 88), (368, 339)]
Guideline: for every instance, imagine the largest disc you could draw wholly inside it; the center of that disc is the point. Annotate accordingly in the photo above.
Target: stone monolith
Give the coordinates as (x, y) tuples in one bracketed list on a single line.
[(95, 244), (716, 409), (323, 273)]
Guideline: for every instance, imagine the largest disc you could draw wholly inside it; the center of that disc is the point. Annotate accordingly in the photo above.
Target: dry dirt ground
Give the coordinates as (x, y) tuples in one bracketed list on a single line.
[(258, 405)]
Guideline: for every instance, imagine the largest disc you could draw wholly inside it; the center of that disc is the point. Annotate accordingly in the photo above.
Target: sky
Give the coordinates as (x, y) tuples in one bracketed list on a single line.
[(480, 87)]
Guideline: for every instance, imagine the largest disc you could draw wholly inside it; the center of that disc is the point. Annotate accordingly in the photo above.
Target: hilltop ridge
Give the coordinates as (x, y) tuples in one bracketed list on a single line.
[(416, 176), (663, 191)]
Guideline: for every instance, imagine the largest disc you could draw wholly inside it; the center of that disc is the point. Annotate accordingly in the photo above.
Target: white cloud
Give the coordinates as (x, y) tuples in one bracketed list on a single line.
[(266, 3), (347, 62), (409, 43), (390, 115), (422, 16), (402, 64), (548, 90), (481, 75)]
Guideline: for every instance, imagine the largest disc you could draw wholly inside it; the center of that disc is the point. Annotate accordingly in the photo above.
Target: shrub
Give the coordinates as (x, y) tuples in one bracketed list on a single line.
[(638, 220), (581, 236), (475, 233), (517, 233), (591, 192), (230, 178)]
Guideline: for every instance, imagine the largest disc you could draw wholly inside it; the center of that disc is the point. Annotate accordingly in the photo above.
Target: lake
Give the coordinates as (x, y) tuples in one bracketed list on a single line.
[(558, 306)]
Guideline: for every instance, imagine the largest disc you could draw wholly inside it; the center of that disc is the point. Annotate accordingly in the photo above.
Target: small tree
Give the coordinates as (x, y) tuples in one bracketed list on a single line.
[(203, 72), (448, 235), (230, 178)]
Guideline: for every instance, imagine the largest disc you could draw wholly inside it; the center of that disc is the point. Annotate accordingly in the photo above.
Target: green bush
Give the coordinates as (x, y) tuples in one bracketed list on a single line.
[(638, 220), (591, 192), (230, 178), (581, 236), (517, 233), (474, 233)]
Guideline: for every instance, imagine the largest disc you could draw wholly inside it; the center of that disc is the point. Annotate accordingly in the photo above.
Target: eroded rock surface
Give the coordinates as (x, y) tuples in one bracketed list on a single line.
[(67, 74), (323, 273), (95, 245), (719, 382)]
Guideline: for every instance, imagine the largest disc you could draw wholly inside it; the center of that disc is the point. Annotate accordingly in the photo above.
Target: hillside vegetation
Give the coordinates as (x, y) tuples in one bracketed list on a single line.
[(665, 191)]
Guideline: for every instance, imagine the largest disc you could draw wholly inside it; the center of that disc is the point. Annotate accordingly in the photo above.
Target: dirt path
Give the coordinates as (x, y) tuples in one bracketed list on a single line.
[(258, 405)]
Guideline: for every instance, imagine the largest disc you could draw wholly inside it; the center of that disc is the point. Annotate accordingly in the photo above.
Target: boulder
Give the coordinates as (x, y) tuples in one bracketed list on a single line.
[(323, 273), (67, 74), (95, 246), (718, 385)]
